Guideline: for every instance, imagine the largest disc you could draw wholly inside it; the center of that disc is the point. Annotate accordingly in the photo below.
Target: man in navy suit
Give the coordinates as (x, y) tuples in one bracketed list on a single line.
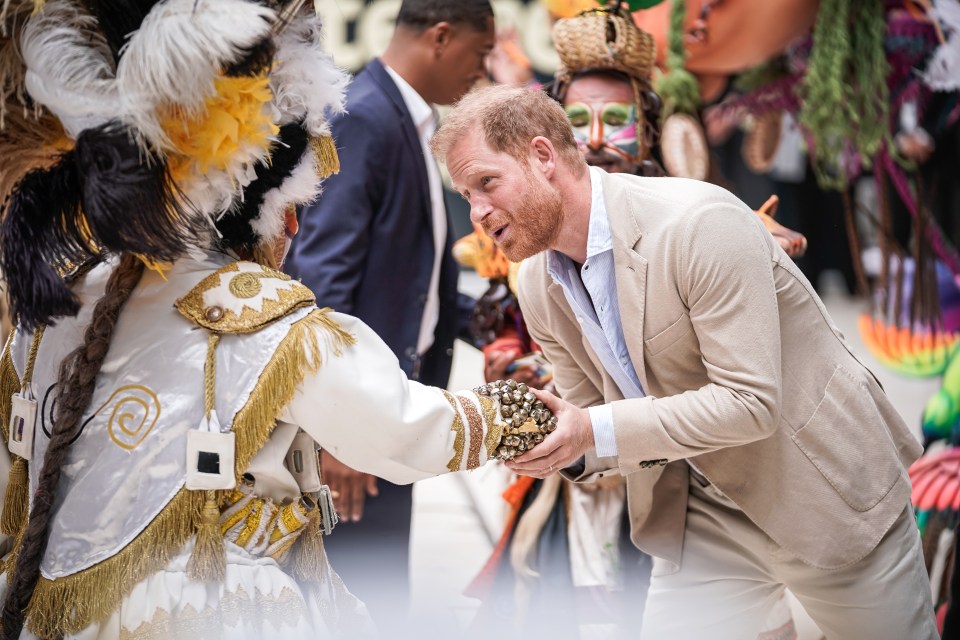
[(377, 245)]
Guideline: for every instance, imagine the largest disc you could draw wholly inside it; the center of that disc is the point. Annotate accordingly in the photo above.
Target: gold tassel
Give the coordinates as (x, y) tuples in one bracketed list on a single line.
[(325, 159), (308, 564), (208, 562), (17, 498)]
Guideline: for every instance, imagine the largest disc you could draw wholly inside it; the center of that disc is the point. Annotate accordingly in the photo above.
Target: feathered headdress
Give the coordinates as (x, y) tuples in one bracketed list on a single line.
[(149, 127)]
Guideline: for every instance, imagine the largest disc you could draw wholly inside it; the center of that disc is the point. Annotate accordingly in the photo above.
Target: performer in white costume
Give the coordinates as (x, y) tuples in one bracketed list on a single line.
[(166, 390)]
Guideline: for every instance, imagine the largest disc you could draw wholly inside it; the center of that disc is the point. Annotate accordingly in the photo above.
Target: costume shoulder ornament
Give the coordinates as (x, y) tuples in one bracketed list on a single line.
[(243, 297)]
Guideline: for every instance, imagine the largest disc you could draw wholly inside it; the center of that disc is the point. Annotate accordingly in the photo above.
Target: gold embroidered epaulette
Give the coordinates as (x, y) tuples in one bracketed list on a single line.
[(243, 297)]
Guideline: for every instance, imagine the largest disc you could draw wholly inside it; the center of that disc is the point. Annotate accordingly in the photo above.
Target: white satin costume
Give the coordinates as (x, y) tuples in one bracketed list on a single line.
[(122, 533)]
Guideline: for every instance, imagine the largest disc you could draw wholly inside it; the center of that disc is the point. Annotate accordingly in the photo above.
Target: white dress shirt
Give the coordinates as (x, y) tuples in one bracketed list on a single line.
[(424, 119), (592, 294)]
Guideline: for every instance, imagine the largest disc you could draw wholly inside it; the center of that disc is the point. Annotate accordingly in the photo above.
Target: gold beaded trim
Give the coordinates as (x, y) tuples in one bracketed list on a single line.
[(476, 432), (243, 285), (459, 435)]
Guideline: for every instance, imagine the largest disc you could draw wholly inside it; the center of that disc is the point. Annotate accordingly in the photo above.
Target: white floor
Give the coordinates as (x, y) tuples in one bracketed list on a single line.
[(457, 518)]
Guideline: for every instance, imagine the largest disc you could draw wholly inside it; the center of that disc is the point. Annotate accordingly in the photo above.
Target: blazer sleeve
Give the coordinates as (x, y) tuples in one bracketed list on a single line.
[(334, 238), (724, 274), (360, 406)]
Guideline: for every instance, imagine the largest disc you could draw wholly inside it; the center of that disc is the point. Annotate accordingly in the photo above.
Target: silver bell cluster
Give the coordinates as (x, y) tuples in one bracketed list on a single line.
[(528, 421)]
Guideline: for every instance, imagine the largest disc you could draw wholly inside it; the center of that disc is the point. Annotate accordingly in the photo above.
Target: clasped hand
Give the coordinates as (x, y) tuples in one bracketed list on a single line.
[(563, 447)]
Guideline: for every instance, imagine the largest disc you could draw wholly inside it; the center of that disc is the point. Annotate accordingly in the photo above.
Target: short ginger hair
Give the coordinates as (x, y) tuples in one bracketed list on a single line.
[(509, 118)]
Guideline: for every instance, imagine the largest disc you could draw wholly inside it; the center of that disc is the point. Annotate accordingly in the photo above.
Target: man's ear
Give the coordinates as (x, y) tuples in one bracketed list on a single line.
[(543, 156), (439, 36)]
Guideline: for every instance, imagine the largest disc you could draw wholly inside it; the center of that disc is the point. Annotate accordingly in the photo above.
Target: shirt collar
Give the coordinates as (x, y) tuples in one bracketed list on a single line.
[(599, 236), (422, 114)]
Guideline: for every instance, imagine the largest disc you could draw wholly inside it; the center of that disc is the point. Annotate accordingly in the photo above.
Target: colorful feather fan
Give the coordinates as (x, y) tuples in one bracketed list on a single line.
[(936, 487)]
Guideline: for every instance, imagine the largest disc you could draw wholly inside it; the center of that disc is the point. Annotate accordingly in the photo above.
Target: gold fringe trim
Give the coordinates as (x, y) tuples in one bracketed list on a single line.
[(308, 561), (16, 499), (72, 603), (9, 385), (17, 496), (10, 562), (326, 162), (68, 605), (299, 353)]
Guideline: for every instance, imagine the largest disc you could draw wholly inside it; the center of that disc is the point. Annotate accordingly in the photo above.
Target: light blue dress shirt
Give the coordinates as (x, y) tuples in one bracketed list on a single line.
[(593, 297)]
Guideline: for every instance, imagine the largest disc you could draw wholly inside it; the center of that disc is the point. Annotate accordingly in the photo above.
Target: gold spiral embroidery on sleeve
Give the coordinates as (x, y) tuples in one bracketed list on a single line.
[(476, 432), (135, 411), (459, 435)]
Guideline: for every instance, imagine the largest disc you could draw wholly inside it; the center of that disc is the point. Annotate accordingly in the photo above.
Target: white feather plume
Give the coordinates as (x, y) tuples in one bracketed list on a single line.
[(305, 81), (943, 70), (302, 186), (69, 67), (216, 191), (176, 54)]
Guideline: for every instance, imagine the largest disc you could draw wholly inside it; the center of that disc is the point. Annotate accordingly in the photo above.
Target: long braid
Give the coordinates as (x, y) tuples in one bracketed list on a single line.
[(77, 376)]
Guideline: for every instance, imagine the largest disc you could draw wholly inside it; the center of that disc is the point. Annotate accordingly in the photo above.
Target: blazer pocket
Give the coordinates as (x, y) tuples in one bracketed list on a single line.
[(679, 328), (846, 439)]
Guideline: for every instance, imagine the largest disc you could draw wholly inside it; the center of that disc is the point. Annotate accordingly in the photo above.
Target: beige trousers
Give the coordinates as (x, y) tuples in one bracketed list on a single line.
[(732, 573)]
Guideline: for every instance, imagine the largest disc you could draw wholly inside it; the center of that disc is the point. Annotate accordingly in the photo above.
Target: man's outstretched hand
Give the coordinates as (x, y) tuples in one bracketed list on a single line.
[(563, 447), (348, 488)]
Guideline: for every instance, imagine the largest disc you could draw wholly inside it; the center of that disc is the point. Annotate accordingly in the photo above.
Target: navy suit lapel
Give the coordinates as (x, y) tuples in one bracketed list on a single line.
[(379, 75)]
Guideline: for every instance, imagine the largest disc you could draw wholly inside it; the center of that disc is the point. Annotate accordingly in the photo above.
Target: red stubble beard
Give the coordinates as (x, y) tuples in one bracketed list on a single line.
[(533, 228)]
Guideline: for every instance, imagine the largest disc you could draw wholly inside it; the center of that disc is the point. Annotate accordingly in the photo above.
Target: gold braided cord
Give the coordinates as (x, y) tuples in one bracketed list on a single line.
[(32, 357), (210, 374), (71, 603)]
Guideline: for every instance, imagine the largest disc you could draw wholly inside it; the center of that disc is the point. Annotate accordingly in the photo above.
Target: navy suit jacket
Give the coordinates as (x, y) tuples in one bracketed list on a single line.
[(366, 246)]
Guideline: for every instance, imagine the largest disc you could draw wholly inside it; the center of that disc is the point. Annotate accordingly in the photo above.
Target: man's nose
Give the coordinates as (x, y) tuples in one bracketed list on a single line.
[(596, 135), (479, 211)]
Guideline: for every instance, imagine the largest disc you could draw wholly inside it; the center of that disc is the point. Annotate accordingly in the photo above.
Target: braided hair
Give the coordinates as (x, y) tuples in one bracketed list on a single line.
[(77, 376)]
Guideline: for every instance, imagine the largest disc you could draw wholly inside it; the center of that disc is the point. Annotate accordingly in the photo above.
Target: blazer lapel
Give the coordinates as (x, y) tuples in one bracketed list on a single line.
[(379, 74), (630, 270)]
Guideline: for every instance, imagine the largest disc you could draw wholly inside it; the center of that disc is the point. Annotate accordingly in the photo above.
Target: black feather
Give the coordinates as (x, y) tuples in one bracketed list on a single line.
[(285, 155), (100, 197), (39, 238), (253, 60), (119, 18), (129, 201)]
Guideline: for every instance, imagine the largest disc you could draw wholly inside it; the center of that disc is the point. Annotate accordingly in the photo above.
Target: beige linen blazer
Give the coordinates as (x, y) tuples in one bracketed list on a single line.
[(746, 375)]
